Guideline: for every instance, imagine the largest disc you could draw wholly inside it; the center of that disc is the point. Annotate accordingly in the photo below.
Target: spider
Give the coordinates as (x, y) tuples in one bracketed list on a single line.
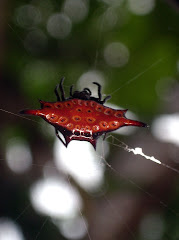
[(86, 94), (81, 116)]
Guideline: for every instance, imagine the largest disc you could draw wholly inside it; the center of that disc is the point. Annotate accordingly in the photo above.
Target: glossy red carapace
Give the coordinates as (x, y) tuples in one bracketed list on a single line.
[(81, 116)]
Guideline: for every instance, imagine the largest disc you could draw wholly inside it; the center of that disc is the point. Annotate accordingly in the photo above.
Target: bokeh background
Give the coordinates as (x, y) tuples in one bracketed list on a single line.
[(131, 48)]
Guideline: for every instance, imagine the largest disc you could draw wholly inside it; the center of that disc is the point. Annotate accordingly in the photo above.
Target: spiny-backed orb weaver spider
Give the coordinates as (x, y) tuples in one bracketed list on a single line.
[(81, 116)]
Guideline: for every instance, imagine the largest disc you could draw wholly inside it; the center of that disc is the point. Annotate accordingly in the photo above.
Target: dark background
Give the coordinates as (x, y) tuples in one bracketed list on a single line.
[(140, 196)]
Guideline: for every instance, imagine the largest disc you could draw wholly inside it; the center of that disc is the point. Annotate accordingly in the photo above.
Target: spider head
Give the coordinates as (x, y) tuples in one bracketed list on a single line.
[(84, 95)]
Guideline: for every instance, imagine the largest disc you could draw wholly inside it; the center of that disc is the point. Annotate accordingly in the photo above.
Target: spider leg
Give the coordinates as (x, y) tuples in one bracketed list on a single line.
[(105, 99), (88, 90), (57, 134), (104, 136), (99, 90), (56, 92), (71, 90), (61, 88)]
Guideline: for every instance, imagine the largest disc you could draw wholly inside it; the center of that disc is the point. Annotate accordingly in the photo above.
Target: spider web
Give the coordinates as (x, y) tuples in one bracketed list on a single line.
[(111, 202)]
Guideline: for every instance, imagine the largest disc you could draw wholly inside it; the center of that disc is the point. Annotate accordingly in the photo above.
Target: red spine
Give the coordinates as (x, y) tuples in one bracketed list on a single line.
[(29, 112), (129, 122)]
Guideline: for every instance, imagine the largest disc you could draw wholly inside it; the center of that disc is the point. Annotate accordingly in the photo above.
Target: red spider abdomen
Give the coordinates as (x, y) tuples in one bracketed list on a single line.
[(81, 116), (84, 116)]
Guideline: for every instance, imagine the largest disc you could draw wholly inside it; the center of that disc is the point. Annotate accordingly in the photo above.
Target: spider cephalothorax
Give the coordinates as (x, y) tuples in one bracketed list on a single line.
[(81, 116), (85, 94)]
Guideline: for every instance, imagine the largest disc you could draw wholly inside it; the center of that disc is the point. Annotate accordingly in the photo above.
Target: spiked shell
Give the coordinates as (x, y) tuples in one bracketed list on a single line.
[(83, 120)]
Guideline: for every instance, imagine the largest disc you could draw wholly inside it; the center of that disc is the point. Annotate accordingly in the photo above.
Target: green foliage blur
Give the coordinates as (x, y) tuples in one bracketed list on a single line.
[(35, 57), (152, 40)]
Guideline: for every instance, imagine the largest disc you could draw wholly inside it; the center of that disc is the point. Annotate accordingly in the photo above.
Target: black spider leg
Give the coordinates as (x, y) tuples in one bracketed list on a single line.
[(71, 90), (61, 89), (56, 92), (104, 136), (105, 99), (100, 95), (99, 90), (57, 134), (88, 90)]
